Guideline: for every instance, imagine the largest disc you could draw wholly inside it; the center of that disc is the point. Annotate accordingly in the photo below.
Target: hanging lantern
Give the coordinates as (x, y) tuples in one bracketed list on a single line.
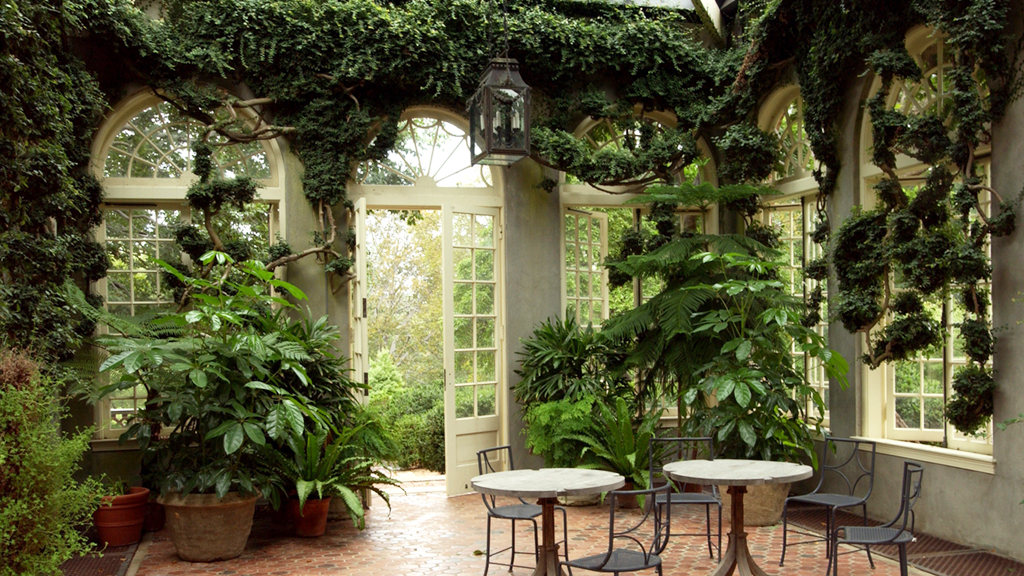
[(499, 115)]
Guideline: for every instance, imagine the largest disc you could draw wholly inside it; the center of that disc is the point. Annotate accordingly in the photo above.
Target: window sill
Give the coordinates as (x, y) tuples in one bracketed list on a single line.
[(974, 462), (112, 445)]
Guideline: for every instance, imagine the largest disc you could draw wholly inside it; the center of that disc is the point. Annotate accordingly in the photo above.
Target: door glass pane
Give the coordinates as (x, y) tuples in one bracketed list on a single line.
[(485, 299), (463, 260), (484, 229), (463, 333), (464, 401), (484, 265), (484, 332), (463, 367), (461, 228), (485, 366), (463, 298), (485, 405)]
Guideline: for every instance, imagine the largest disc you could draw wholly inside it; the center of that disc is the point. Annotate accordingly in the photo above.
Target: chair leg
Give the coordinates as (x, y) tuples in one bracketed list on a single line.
[(707, 516), (785, 528), (830, 525), (719, 532), (487, 558), (513, 560), (903, 560), (565, 535), (867, 548)]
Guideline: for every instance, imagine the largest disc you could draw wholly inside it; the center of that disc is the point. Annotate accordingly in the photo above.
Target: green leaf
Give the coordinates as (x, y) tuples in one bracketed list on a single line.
[(223, 484), (742, 394), (254, 433), (747, 433), (291, 288), (743, 350), (193, 316), (233, 438), (198, 377)]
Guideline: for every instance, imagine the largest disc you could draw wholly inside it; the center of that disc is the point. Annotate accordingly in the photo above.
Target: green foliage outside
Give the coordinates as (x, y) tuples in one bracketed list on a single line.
[(42, 506), (413, 415)]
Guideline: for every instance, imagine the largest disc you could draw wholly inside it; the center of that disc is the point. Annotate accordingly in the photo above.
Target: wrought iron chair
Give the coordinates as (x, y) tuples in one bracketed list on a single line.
[(631, 549), (487, 461), (897, 532), (848, 464), (665, 450)]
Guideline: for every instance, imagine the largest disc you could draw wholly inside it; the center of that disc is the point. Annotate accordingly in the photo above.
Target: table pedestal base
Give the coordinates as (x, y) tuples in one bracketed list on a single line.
[(547, 559), (737, 557)]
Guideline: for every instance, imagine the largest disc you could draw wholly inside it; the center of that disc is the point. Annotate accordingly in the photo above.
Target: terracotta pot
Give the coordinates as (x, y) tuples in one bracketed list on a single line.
[(154, 518), (118, 520), (628, 502), (762, 504), (312, 521), (205, 528)]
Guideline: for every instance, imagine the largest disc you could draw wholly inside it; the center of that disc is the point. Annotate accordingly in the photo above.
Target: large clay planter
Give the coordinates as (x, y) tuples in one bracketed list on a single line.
[(762, 504), (205, 528), (313, 520), (118, 520)]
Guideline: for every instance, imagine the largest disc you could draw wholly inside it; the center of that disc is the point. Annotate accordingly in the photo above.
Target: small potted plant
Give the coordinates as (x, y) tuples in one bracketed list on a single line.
[(118, 519), (316, 468)]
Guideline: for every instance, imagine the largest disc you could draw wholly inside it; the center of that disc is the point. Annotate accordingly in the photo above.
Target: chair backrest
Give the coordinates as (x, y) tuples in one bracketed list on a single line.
[(488, 461), (633, 534), (662, 451), (848, 464), (912, 474)]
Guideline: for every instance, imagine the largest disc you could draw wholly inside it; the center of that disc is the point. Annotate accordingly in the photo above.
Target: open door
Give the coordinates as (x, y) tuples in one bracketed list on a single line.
[(358, 339), (472, 354)]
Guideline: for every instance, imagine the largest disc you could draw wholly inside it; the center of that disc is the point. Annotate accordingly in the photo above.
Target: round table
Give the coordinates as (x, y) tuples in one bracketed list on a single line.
[(546, 485), (737, 475)]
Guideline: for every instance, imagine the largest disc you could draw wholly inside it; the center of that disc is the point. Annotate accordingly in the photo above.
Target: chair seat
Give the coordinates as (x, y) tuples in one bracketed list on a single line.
[(620, 561), (688, 498), (874, 535), (827, 499), (516, 511)]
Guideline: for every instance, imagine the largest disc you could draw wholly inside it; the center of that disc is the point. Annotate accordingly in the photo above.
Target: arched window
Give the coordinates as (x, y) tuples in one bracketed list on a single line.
[(428, 152), (143, 156), (796, 157), (157, 143), (906, 400), (793, 215)]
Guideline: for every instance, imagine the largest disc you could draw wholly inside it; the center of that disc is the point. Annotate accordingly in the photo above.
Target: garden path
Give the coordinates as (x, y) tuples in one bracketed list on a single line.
[(430, 534)]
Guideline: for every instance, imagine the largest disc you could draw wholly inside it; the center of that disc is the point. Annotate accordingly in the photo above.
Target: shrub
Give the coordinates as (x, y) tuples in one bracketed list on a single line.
[(41, 505), (413, 415)]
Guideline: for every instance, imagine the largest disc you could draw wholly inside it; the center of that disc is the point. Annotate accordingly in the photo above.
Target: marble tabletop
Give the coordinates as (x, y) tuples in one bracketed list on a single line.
[(726, 472), (547, 482)]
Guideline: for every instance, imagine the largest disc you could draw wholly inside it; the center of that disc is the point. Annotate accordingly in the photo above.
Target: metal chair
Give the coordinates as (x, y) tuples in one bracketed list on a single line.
[(665, 450), (636, 550), (843, 465), (486, 461), (896, 532)]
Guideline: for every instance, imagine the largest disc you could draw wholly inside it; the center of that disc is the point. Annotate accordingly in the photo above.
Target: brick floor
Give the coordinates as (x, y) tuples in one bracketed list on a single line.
[(430, 534)]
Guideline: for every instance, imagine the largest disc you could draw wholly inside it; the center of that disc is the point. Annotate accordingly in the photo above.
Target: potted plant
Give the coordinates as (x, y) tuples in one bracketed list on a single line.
[(215, 381), (316, 468), (119, 517), (619, 443), (763, 407)]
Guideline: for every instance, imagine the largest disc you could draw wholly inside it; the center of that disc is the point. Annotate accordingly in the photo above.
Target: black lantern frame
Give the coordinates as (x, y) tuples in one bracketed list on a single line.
[(499, 115)]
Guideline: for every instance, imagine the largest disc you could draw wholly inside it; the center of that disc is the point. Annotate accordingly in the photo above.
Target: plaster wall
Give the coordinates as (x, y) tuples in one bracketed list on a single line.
[(533, 284)]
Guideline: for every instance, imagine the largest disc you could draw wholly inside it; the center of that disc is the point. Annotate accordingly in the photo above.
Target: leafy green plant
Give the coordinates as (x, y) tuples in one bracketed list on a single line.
[(619, 443), (762, 399), (553, 430), (564, 360), (42, 506), (313, 462), (218, 387)]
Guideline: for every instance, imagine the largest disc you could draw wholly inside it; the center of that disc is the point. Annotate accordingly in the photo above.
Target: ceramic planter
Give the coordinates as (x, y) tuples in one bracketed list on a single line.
[(312, 522), (762, 504), (118, 520), (205, 528)]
